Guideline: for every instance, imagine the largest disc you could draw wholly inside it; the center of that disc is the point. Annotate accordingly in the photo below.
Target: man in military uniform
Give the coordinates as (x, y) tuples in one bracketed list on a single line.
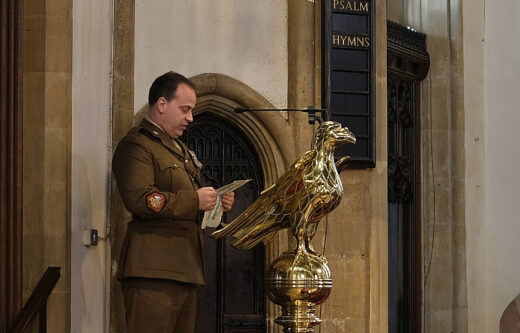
[(158, 178)]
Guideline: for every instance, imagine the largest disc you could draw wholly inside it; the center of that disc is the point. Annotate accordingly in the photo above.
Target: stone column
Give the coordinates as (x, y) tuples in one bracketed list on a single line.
[(47, 127), (122, 119), (301, 50)]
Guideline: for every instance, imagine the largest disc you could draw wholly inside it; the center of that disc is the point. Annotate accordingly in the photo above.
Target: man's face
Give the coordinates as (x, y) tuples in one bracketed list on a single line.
[(178, 111)]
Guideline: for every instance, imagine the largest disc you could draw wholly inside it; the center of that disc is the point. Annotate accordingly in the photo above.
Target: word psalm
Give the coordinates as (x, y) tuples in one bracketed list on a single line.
[(352, 6)]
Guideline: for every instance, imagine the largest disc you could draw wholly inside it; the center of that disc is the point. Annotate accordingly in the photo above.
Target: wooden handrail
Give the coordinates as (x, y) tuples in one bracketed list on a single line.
[(37, 302)]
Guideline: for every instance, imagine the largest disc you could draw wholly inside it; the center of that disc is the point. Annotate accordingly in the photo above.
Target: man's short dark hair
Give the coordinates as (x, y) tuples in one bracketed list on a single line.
[(166, 86)]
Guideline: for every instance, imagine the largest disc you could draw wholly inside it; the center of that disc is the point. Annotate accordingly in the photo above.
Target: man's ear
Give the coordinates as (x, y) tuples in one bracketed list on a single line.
[(161, 104)]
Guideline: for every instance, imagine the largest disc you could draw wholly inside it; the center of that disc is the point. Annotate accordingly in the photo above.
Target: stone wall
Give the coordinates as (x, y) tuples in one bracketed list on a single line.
[(442, 162), (90, 162), (46, 153), (491, 71), (241, 39), (354, 236)]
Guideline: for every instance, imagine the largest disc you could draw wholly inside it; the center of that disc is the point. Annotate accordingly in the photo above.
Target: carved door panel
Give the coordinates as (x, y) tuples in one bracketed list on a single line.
[(408, 63), (233, 299), (403, 228)]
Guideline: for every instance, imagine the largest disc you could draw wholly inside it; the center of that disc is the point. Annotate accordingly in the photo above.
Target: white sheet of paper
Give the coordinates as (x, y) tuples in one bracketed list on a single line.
[(213, 217)]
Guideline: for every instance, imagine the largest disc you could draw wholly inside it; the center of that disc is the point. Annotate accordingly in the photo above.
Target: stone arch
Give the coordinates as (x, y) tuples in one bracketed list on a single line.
[(220, 94)]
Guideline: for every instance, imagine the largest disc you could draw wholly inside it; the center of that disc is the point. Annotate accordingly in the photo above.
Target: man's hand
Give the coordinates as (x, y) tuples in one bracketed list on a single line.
[(207, 198), (227, 201)]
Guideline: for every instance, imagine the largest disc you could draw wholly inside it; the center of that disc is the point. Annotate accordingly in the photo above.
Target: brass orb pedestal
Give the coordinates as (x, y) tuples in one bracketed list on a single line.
[(298, 281)]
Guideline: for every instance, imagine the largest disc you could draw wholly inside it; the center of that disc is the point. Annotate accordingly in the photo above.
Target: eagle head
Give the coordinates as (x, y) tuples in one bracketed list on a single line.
[(331, 134)]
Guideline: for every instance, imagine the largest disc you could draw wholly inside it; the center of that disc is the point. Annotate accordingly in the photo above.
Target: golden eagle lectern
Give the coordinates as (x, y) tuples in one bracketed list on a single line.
[(310, 189)]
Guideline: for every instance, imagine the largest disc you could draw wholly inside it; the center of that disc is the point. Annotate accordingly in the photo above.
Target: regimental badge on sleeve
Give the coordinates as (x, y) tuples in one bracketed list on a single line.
[(156, 201), (194, 159)]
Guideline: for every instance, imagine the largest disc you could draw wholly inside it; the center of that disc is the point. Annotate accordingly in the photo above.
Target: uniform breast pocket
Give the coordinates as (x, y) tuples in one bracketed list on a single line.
[(172, 176)]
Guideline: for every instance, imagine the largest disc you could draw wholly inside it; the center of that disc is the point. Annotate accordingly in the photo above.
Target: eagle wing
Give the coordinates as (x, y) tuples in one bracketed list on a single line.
[(270, 212), (342, 163)]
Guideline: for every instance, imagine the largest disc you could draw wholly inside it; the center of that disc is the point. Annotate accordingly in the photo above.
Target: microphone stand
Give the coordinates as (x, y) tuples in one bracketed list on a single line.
[(310, 110)]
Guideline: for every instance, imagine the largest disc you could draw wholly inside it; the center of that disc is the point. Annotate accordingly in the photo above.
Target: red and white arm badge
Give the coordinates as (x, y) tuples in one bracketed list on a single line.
[(156, 201)]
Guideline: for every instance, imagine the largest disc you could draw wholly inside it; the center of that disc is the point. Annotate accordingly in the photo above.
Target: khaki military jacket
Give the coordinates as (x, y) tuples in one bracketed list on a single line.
[(158, 182)]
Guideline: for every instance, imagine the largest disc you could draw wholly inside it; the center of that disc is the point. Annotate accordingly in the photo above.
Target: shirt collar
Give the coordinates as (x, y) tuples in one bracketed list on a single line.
[(174, 141), (154, 123)]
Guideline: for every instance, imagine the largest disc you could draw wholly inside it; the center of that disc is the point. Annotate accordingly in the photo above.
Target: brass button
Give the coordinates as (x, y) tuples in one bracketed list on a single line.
[(185, 161)]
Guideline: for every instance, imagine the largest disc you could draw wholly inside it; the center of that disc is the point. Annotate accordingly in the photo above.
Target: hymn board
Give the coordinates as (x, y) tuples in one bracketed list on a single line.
[(349, 74)]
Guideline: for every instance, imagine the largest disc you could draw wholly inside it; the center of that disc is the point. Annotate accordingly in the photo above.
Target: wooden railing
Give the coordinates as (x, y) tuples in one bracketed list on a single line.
[(37, 303)]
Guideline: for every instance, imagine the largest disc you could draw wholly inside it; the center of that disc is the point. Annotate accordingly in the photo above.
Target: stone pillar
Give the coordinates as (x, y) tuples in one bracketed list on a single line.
[(122, 119), (47, 151), (353, 237), (301, 50)]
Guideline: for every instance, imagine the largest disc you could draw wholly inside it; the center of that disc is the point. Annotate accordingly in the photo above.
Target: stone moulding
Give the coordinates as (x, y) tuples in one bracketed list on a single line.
[(407, 54)]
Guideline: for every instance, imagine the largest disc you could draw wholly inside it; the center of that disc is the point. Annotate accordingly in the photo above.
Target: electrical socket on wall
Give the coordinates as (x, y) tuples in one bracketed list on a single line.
[(90, 237)]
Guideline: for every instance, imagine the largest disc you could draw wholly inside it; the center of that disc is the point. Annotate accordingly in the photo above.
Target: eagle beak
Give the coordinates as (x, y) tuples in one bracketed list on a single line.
[(351, 138)]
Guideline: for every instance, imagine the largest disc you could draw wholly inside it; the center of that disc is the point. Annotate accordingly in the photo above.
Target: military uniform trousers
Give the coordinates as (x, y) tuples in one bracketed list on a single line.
[(159, 306)]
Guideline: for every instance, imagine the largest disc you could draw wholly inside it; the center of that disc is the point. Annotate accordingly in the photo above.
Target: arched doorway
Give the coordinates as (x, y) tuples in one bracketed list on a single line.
[(233, 299)]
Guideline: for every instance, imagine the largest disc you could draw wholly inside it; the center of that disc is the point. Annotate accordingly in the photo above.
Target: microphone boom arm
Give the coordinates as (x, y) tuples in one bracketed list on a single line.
[(311, 111)]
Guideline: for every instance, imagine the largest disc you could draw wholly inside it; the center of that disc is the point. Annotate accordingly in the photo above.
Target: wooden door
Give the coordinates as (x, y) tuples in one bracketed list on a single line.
[(404, 261), (233, 299), (408, 63), (11, 204)]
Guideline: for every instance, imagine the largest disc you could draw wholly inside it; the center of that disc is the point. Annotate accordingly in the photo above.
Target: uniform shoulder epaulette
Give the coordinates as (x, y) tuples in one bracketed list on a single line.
[(138, 135), (146, 132)]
